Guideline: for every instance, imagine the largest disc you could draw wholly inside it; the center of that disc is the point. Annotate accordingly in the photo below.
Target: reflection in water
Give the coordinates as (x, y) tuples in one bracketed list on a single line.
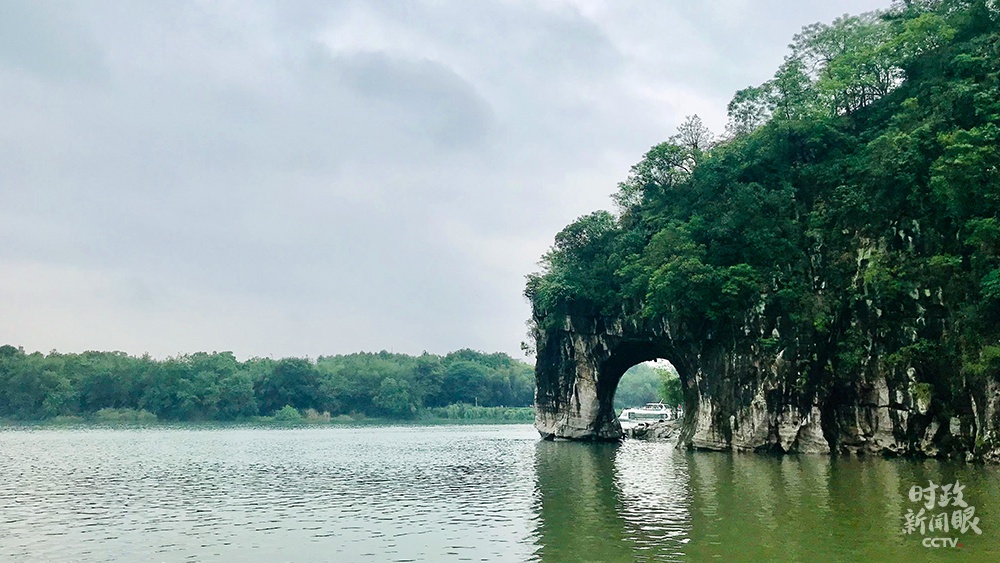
[(743, 504), (310, 494), (797, 508), (454, 494), (610, 502), (649, 502)]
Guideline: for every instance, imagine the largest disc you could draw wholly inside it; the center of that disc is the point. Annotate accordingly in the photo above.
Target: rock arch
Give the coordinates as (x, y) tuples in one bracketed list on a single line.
[(579, 366), (742, 394), (734, 398)]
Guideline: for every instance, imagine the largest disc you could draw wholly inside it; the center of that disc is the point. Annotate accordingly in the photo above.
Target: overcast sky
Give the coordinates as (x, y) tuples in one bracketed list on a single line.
[(303, 178)]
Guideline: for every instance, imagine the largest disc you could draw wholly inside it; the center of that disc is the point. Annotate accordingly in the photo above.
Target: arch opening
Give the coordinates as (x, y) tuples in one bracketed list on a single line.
[(579, 367), (655, 381), (627, 356)]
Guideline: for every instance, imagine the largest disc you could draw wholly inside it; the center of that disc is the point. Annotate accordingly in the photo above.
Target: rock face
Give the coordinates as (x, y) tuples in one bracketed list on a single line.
[(578, 368), (657, 431), (740, 395)]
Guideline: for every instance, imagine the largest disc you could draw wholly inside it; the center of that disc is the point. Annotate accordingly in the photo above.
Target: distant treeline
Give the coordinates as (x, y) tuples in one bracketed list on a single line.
[(644, 383), (217, 386)]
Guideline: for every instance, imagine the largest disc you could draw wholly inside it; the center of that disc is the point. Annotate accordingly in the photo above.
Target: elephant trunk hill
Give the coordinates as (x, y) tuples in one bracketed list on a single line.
[(825, 277)]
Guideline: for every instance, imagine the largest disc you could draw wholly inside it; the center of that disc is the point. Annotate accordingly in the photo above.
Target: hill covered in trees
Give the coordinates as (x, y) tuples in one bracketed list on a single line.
[(834, 256), (217, 386)]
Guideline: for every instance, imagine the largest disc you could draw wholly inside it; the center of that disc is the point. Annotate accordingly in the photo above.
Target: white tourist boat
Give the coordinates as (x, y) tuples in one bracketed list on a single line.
[(652, 412)]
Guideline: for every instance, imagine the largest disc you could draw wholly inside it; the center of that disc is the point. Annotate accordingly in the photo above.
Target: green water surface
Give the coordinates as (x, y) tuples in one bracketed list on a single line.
[(457, 493)]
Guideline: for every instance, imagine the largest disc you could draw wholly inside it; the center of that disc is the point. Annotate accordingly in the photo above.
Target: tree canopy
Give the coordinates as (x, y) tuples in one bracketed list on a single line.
[(217, 386), (854, 198)]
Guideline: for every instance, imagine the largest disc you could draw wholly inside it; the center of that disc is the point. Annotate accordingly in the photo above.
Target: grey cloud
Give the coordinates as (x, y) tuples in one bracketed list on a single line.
[(423, 99), (42, 39), (211, 175)]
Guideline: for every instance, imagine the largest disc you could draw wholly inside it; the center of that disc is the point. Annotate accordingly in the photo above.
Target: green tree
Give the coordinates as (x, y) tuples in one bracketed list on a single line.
[(34, 393), (287, 413), (236, 396), (638, 386), (394, 399), (293, 381), (670, 387)]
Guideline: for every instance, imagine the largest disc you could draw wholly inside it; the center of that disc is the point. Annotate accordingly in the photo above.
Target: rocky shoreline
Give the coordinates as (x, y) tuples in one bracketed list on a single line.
[(656, 431)]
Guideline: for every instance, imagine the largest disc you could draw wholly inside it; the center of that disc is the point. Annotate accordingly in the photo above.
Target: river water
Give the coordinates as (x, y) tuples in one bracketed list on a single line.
[(461, 493)]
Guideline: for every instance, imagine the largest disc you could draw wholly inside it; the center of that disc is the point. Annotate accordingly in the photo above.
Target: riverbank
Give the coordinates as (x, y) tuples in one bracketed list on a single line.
[(452, 414)]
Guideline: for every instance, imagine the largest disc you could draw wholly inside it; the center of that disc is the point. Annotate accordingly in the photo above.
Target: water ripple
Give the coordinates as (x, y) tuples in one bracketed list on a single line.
[(406, 494)]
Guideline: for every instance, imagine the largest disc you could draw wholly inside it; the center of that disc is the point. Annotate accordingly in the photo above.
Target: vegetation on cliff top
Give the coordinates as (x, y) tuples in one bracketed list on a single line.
[(850, 208)]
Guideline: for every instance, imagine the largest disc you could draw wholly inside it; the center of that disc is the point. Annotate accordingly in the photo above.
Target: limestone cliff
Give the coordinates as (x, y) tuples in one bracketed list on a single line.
[(826, 277), (741, 396)]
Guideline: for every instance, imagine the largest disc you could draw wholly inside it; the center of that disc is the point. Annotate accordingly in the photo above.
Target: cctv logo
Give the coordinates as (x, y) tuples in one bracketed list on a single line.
[(941, 542)]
